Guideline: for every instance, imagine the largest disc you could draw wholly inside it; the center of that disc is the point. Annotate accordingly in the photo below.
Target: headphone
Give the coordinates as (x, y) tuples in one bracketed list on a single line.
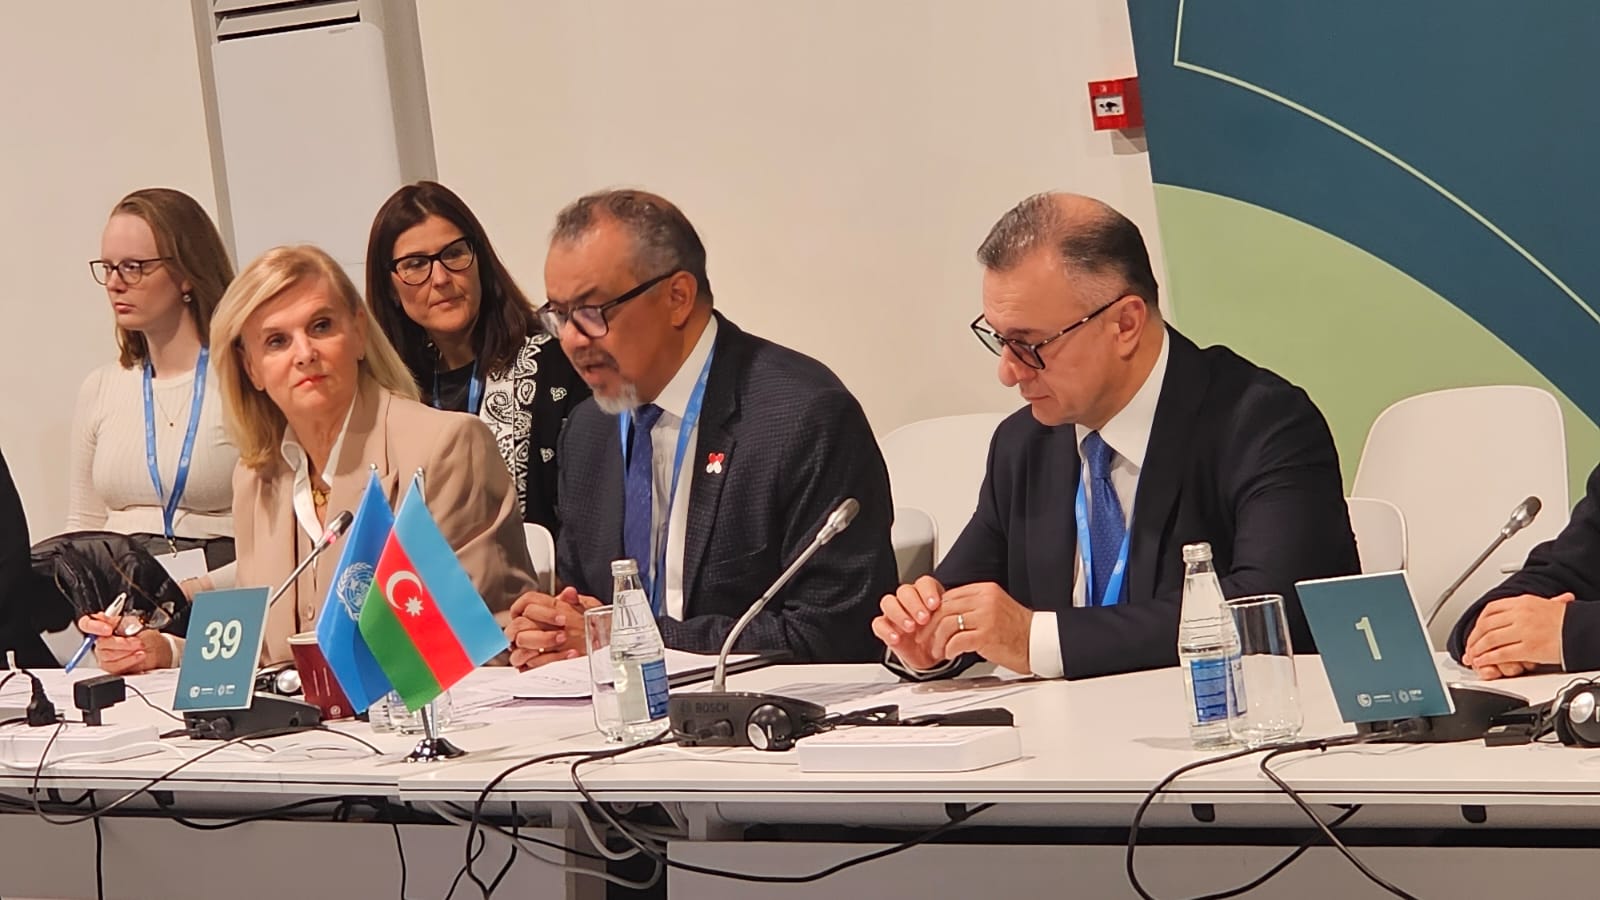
[(1576, 715)]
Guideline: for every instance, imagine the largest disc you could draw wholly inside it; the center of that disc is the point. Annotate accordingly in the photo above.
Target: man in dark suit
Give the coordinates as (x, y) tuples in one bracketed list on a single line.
[(19, 629), (1135, 443), (708, 455), (1540, 616)]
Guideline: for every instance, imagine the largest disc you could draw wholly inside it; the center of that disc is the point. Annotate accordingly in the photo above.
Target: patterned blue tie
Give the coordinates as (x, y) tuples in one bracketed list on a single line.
[(1106, 528), (638, 491)]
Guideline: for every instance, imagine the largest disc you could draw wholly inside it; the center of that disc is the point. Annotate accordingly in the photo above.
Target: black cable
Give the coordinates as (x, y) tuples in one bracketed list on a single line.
[(148, 785), (257, 816), (531, 838), (661, 857), (516, 824), (160, 709), (1333, 839), (1151, 795), (399, 849), (472, 857), (99, 861)]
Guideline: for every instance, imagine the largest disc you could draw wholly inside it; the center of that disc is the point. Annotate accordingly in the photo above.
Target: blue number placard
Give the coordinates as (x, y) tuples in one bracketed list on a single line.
[(1377, 656), (220, 653)]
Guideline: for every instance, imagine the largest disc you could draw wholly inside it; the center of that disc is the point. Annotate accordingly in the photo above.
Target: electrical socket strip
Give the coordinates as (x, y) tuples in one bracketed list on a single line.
[(869, 748), (22, 745)]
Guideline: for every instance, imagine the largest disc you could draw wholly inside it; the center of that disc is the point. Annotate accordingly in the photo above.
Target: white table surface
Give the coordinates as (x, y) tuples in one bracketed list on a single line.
[(1097, 742)]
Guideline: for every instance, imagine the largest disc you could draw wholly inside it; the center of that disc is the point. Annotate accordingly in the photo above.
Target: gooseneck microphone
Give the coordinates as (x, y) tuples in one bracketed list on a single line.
[(335, 530), (723, 718), (1521, 517), (838, 521)]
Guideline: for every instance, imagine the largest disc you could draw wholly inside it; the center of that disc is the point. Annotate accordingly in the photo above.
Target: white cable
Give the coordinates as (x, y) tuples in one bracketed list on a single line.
[(114, 754), (594, 838), (445, 813)]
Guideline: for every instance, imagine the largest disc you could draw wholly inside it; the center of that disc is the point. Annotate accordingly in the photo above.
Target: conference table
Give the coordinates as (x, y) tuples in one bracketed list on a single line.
[(1459, 820)]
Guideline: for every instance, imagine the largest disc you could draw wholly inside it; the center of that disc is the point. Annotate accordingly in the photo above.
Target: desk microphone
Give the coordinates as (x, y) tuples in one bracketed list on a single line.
[(1521, 517), (768, 722), (336, 530)]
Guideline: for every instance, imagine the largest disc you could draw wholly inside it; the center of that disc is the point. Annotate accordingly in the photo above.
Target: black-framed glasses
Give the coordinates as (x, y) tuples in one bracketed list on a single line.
[(591, 320), (1025, 353), (417, 268), (131, 270)]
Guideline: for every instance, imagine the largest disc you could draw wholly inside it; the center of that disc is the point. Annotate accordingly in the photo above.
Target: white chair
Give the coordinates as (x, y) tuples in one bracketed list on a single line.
[(936, 465), (913, 535), (1456, 462), (1380, 530), (542, 549)]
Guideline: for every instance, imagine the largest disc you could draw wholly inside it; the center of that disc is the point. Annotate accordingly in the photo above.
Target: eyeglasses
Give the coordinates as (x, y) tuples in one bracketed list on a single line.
[(131, 270), (591, 320), (1028, 354), (417, 268)]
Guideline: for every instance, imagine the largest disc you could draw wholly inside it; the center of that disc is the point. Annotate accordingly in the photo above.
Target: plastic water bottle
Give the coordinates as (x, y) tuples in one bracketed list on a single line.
[(1208, 652), (637, 655)]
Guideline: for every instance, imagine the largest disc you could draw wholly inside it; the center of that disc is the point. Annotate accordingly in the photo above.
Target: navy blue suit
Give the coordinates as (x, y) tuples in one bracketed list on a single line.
[(1237, 457), (793, 443)]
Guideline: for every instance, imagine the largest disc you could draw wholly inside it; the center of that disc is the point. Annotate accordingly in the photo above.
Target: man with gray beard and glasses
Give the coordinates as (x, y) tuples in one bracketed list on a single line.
[(708, 455)]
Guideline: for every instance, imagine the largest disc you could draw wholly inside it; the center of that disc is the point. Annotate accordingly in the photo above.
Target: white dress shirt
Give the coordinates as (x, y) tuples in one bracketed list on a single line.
[(1128, 436), (305, 509), (674, 403)]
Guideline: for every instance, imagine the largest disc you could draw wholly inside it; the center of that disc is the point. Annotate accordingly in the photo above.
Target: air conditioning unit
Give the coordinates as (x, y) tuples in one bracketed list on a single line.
[(321, 112)]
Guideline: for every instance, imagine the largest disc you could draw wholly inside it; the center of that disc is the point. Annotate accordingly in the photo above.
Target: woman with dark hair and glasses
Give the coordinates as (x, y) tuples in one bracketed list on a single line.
[(149, 457), (469, 335)]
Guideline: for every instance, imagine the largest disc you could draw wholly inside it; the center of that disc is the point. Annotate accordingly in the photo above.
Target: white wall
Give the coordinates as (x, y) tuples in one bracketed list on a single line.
[(841, 159), (100, 98)]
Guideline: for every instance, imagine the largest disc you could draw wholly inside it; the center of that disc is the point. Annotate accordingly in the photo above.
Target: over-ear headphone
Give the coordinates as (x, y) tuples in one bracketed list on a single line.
[(1577, 714)]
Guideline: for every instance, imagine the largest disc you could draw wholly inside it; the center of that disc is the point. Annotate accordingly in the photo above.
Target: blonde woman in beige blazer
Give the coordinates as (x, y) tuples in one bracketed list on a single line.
[(317, 399)]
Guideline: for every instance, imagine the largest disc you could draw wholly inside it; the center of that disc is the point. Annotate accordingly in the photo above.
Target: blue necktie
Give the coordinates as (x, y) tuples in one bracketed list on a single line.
[(638, 492), (1106, 528)]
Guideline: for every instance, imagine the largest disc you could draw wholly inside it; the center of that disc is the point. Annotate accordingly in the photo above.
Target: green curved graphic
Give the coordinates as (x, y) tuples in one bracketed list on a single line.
[(1355, 332)]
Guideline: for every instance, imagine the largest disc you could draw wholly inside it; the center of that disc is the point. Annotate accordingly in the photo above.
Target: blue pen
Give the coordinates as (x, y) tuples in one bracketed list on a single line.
[(113, 611)]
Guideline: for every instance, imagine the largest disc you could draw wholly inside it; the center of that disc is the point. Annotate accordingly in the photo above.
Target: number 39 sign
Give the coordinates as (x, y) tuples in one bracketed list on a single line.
[(219, 658)]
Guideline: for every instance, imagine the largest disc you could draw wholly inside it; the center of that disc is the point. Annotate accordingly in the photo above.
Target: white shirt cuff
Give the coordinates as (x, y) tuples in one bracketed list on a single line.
[(1044, 646)]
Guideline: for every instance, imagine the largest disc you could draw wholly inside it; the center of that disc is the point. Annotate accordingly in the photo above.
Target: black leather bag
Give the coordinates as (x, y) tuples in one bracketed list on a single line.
[(82, 572)]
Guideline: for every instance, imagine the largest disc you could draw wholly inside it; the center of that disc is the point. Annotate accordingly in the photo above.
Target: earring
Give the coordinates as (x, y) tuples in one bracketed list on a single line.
[(188, 298)]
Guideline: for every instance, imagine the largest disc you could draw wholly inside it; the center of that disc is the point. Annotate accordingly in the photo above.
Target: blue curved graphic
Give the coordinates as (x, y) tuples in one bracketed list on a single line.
[(1451, 138)]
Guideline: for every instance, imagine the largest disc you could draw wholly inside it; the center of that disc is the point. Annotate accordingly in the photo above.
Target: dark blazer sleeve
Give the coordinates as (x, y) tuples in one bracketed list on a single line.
[(825, 612), (1571, 562), (559, 391), (18, 625), (1291, 522)]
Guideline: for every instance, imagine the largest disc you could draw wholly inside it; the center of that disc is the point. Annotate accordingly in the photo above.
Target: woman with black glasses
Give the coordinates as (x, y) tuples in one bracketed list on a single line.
[(469, 335), (149, 457)]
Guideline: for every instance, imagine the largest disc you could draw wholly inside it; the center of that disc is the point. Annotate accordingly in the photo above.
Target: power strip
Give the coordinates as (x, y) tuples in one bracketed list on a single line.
[(22, 745), (910, 749)]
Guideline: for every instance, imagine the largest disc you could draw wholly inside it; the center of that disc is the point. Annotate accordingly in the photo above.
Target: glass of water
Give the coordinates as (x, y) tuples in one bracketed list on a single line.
[(602, 673), (390, 714), (1264, 697)]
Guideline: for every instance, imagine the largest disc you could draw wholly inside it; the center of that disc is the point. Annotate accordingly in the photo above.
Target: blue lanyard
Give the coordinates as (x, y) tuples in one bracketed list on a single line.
[(474, 391), (1113, 594), (656, 579), (169, 509)]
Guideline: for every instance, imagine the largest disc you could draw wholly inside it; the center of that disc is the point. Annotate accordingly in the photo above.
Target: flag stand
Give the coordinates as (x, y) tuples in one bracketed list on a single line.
[(433, 748)]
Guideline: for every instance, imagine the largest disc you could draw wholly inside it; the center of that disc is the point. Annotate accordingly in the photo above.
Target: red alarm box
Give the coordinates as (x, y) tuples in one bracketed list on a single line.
[(1115, 104)]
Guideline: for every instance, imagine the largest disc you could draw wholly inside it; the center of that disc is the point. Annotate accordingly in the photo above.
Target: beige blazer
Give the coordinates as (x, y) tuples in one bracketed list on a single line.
[(465, 482)]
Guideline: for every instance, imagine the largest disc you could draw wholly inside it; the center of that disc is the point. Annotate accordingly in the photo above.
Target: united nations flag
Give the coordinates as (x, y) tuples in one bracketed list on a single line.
[(360, 677)]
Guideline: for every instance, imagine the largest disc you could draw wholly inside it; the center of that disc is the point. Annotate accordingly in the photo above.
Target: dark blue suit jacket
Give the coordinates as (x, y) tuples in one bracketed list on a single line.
[(1571, 562), (794, 443), (1237, 457)]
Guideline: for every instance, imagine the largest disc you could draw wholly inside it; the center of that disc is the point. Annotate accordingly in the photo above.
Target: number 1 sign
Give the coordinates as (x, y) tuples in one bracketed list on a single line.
[(219, 658)]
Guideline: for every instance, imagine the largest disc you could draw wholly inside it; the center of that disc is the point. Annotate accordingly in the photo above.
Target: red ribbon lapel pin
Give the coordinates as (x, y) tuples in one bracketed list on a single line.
[(714, 463)]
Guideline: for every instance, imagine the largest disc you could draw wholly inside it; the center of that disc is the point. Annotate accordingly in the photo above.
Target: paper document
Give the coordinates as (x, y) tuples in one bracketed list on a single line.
[(569, 678), (912, 698)]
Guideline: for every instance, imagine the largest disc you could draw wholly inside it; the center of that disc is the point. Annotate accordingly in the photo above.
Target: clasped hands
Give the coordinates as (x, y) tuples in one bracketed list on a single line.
[(1515, 634), (547, 627), (925, 625)]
